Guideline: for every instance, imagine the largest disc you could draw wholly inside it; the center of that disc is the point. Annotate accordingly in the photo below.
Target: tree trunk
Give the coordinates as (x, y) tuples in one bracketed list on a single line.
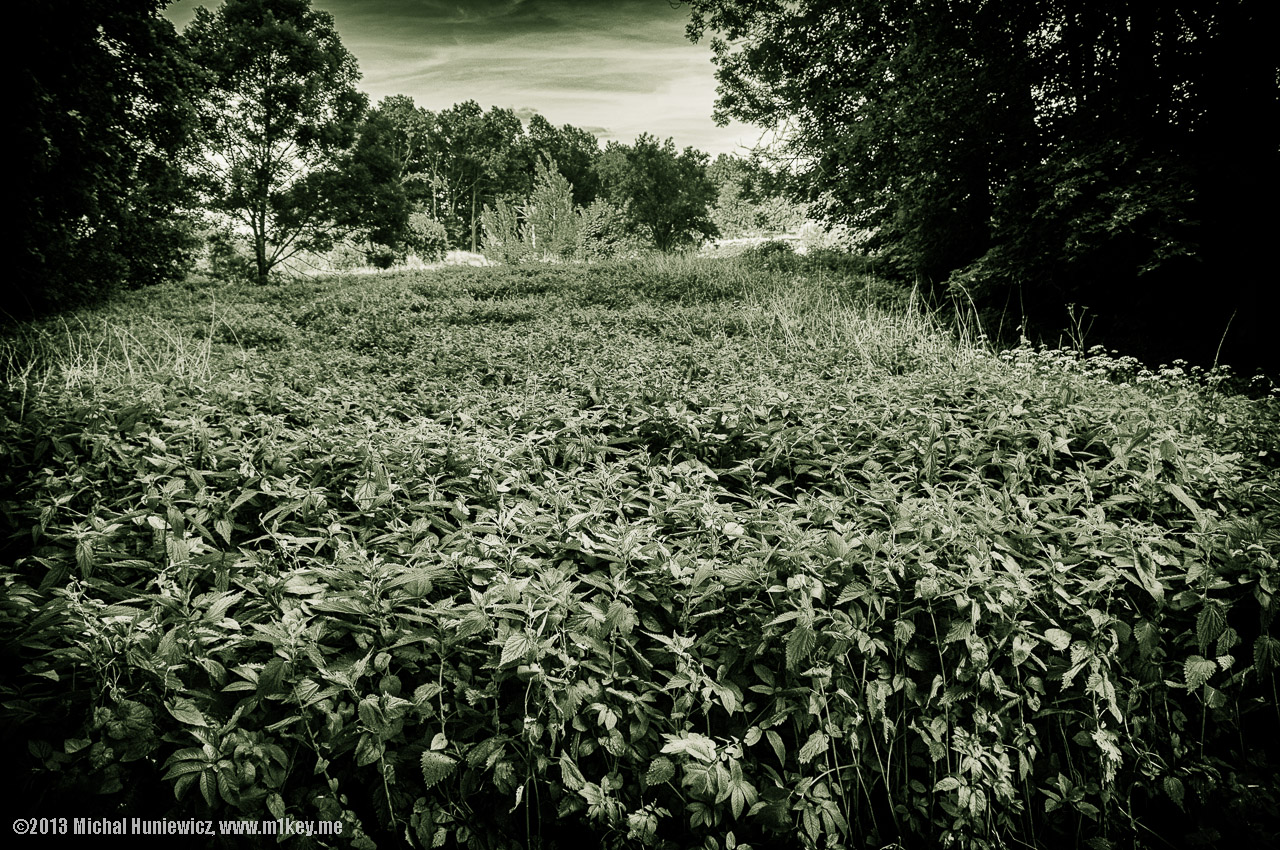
[(473, 218)]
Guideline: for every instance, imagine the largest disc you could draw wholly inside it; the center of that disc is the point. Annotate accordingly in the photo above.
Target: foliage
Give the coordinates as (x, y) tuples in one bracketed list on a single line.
[(751, 200), (427, 237), (102, 118), (603, 232), (671, 553), (279, 109), (665, 195), (572, 149), (473, 155), (1033, 154), (543, 226)]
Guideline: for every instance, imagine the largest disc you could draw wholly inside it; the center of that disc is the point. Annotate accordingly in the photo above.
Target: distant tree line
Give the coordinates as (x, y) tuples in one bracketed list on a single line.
[(246, 138), (1019, 156)]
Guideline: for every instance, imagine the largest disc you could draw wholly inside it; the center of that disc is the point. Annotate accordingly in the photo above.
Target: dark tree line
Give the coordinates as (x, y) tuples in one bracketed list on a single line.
[(102, 114), (1028, 154), (246, 136)]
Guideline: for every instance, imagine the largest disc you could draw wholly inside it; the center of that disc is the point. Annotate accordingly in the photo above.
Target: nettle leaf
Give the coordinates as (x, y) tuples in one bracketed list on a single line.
[(1058, 638), (816, 744), (1266, 654), (369, 750), (1197, 671), (661, 769), (515, 647), (436, 767), (1210, 623), (800, 643), (903, 630)]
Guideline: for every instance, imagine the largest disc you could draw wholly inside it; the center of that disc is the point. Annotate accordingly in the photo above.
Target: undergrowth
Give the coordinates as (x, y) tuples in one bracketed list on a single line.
[(685, 553)]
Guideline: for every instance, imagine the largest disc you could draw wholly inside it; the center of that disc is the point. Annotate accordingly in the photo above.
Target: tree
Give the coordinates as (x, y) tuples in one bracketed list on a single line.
[(574, 152), (279, 113), (543, 226), (1029, 152), (475, 157), (751, 199), (664, 194), (102, 120), (372, 196)]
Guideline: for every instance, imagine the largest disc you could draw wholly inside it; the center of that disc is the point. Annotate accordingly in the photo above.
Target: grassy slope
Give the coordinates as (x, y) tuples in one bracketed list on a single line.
[(661, 550)]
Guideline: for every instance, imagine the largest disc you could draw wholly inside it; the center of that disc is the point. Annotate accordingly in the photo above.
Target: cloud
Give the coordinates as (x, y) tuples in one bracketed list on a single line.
[(614, 67)]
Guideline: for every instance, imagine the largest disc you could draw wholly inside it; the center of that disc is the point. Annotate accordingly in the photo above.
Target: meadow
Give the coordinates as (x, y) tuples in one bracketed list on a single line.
[(677, 552)]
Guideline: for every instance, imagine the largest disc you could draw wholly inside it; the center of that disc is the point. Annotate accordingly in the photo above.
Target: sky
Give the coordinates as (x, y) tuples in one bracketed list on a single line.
[(616, 68)]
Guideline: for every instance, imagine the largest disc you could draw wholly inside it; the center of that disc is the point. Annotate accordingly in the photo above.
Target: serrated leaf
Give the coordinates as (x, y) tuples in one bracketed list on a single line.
[(514, 648), (816, 744), (570, 775), (1209, 624), (1173, 787), (271, 679), (661, 769), (1197, 671), (1266, 654), (799, 644), (368, 750), (436, 767), (903, 630)]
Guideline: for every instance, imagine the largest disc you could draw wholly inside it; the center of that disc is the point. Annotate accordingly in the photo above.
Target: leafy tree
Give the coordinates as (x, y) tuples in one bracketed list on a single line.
[(544, 225), (475, 157), (751, 199), (665, 194), (1030, 152), (373, 197), (279, 113), (574, 152), (102, 120)]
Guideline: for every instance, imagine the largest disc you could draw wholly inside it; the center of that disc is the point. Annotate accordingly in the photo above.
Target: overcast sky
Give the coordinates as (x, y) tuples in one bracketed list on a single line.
[(616, 68)]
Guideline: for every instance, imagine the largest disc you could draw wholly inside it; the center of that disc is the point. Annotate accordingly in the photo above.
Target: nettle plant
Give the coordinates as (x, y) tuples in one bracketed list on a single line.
[(645, 602)]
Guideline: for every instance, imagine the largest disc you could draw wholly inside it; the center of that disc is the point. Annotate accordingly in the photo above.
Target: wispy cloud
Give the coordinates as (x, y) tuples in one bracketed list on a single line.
[(621, 67)]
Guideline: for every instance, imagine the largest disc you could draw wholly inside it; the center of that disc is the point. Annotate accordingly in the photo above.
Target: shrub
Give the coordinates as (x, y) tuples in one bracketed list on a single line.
[(427, 237), (382, 256), (229, 256)]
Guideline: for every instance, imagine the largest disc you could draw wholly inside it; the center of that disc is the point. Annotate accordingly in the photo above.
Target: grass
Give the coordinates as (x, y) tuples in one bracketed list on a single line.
[(675, 552)]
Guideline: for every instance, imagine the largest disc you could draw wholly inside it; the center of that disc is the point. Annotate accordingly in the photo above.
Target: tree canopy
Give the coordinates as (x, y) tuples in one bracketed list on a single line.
[(102, 120), (279, 109), (664, 193), (1032, 153)]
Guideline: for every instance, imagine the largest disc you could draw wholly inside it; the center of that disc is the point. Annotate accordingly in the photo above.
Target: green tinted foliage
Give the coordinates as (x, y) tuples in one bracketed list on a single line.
[(103, 116), (1019, 157), (278, 109), (674, 552), (665, 194)]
